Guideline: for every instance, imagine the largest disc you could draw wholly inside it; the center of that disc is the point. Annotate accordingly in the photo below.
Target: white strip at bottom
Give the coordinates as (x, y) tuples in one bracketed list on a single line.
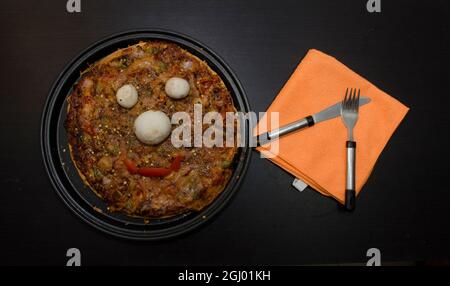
[(299, 184)]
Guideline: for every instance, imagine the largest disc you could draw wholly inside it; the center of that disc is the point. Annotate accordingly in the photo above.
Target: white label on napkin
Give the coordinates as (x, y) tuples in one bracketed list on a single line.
[(299, 185)]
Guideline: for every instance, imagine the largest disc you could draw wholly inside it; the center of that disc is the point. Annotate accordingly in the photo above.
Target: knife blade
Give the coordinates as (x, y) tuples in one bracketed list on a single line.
[(330, 112)]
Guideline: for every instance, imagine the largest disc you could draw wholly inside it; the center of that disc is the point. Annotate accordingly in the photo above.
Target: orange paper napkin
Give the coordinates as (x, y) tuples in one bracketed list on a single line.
[(317, 155)]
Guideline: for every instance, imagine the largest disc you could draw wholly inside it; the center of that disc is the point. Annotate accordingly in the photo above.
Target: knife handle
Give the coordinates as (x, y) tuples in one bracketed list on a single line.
[(297, 125), (350, 193)]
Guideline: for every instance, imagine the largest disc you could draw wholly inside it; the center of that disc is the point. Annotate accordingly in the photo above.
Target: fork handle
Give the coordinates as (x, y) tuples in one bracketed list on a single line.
[(350, 193)]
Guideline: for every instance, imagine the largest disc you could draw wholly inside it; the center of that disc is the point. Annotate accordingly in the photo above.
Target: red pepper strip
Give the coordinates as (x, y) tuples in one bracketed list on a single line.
[(176, 163), (131, 166), (154, 172)]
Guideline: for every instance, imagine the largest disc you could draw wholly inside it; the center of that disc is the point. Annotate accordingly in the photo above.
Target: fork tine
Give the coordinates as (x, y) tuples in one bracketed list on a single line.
[(354, 101), (344, 100), (349, 100), (357, 100)]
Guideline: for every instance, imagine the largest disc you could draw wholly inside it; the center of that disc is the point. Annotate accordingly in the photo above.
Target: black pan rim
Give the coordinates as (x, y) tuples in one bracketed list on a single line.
[(86, 215)]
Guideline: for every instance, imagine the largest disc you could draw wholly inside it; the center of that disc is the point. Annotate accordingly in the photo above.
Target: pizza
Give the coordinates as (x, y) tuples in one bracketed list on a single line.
[(118, 125)]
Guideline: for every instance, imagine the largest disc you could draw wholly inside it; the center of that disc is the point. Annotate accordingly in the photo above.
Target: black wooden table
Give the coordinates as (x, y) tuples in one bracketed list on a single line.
[(403, 209)]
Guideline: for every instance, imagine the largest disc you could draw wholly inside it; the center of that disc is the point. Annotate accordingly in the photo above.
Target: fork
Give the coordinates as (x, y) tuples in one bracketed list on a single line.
[(349, 114)]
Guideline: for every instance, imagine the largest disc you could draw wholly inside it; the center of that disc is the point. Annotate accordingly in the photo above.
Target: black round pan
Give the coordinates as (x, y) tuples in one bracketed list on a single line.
[(64, 176)]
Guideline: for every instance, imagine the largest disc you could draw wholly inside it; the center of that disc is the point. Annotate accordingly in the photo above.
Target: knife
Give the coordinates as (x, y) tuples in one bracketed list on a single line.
[(328, 113)]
